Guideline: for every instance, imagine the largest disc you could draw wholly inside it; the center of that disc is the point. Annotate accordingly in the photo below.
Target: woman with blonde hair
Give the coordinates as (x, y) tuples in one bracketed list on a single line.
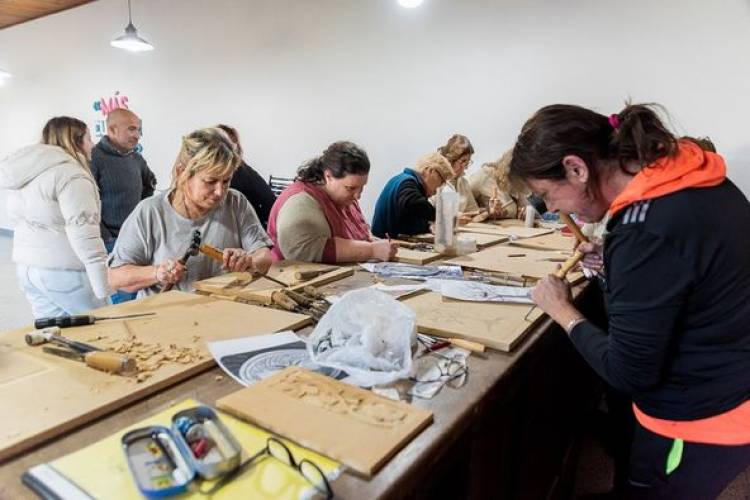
[(493, 189), (159, 231), (458, 151), (403, 206), (55, 211)]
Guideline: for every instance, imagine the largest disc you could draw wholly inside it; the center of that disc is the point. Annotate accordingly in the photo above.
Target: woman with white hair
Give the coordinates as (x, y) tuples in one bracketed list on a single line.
[(55, 211), (158, 232), (403, 206)]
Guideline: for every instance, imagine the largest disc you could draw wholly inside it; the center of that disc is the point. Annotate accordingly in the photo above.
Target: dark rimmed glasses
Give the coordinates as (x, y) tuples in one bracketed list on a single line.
[(441, 368), (278, 450)]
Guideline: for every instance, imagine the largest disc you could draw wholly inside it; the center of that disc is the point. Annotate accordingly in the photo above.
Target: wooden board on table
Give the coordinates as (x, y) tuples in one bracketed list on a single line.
[(552, 241), (500, 326), (513, 261), (238, 286), (285, 270), (246, 287), (486, 240), (499, 229), (324, 279), (408, 256), (46, 395), (506, 222), (483, 240), (346, 423)]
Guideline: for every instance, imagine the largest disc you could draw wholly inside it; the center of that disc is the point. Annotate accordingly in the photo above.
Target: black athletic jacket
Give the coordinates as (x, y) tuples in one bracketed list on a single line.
[(678, 294)]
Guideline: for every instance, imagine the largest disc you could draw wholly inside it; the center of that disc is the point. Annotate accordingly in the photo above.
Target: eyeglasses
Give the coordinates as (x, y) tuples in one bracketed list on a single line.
[(433, 370), (440, 174), (466, 162), (444, 369), (278, 450)]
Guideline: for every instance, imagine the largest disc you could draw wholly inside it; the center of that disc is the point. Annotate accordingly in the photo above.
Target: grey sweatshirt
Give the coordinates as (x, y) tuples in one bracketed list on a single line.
[(124, 179)]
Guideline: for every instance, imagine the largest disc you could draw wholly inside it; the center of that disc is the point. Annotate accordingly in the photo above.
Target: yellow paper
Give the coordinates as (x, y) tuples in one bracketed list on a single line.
[(102, 471)]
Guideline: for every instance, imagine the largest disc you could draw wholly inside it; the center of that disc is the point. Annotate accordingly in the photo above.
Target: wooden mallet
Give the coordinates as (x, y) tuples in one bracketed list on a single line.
[(566, 266)]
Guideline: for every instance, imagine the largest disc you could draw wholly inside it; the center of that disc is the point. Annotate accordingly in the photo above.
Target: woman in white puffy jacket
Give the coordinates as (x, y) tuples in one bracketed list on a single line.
[(55, 211)]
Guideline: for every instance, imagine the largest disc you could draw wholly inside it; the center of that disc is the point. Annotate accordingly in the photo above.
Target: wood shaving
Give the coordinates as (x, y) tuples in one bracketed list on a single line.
[(150, 357), (219, 378)]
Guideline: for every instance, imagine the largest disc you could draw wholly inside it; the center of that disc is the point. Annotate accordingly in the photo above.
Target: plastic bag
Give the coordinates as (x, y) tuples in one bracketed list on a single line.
[(367, 334)]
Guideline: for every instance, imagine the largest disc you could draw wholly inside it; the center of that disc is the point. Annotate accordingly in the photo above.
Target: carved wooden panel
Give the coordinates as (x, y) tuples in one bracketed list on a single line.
[(352, 425)]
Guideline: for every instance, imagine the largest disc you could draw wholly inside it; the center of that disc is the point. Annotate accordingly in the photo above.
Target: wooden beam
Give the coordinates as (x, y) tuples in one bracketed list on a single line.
[(13, 12)]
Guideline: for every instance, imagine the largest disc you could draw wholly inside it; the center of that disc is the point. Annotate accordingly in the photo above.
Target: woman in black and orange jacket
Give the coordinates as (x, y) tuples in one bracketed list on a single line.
[(676, 282)]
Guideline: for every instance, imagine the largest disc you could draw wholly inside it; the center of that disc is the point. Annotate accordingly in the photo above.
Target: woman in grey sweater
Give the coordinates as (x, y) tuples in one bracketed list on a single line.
[(158, 232)]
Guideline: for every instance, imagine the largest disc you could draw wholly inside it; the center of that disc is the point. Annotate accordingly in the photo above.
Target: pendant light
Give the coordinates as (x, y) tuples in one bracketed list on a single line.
[(130, 40)]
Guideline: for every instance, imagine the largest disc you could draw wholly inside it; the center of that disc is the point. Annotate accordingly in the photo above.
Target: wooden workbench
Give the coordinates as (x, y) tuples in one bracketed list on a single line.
[(504, 434)]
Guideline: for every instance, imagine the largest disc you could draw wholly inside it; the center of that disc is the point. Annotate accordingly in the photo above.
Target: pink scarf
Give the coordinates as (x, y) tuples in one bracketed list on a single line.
[(344, 222)]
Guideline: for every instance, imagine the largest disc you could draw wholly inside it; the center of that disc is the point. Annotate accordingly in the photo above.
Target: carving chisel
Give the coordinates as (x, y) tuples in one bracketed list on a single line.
[(80, 320), (101, 360), (217, 255)]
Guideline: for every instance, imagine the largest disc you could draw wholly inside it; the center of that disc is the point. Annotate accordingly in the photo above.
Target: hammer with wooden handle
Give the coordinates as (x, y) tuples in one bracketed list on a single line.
[(94, 357), (192, 250)]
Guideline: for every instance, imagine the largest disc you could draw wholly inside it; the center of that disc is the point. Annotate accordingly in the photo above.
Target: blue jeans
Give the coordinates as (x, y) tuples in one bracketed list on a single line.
[(119, 296), (57, 292)]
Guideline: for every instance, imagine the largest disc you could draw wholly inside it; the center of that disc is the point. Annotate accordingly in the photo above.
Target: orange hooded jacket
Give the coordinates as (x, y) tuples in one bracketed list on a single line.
[(690, 168)]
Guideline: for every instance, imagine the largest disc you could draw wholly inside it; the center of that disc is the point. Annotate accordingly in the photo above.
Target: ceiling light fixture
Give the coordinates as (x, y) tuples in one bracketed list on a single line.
[(410, 4), (130, 40)]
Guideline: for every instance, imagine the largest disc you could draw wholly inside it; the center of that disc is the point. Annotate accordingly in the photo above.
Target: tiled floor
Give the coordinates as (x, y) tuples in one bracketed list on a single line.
[(15, 311)]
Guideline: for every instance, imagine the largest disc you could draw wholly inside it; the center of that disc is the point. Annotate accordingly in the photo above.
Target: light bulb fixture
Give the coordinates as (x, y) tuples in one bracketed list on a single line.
[(130, 40), (410, 4)]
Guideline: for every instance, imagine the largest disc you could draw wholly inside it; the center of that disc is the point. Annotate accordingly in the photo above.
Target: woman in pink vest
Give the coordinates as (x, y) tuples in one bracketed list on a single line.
[(318, 219)]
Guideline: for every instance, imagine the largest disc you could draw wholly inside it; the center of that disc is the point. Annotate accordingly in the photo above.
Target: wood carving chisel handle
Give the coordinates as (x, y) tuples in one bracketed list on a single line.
[(110, 362), (280, 299), (212, 252), (568, 221), (568, 264), (467, 344), (64, 321)]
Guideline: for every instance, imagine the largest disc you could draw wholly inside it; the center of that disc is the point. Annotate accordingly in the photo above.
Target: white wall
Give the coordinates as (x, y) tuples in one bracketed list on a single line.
[(295, 75)]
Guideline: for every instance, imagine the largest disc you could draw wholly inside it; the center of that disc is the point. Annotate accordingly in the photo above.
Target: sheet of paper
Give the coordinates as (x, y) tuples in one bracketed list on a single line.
[(483, 292), (395, 291), (250, 359), (399, 270)]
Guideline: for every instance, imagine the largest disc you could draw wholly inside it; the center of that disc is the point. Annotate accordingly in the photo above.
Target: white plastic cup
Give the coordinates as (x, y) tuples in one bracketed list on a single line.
[(530, 216), (465, 245)]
